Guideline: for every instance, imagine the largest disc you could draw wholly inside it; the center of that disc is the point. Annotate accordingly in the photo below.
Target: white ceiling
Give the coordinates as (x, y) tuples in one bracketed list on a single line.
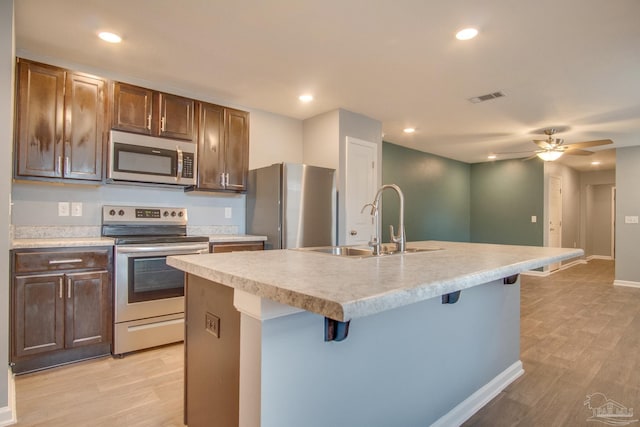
[(573, 64)]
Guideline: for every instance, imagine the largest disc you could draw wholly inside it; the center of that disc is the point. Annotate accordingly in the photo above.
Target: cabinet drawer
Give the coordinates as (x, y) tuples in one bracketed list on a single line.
[(235, 247), (56, 260)]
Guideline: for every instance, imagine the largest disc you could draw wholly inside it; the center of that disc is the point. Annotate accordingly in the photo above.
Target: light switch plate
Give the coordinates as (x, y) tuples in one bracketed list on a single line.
[(227, 213), (63, 208), (76, 208), (630, 219), (534, 218)]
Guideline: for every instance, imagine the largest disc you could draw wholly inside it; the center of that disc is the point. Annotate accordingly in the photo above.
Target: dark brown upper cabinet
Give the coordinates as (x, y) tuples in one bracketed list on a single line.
[(223, 148), (140, 110), (61, 123)]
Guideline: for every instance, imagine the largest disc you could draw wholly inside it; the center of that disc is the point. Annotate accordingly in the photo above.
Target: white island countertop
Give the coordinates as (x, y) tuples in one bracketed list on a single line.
[(343, 288)]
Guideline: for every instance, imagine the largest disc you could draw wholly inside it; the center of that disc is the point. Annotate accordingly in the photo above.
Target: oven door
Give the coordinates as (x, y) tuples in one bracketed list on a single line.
[(145, 286)]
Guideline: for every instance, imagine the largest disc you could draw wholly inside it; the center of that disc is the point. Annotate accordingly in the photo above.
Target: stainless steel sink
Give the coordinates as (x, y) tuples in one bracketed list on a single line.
[(360, 252), (341, 250)]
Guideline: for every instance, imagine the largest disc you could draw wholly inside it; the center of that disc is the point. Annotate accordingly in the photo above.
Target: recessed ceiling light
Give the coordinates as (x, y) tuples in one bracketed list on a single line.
[(409, 130), (110, 37), (466, 34), (491, 156), (306, 98), (596, 163)]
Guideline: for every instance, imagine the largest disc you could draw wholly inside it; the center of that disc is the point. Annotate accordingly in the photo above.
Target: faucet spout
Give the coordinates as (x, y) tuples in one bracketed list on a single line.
[(399, 239)]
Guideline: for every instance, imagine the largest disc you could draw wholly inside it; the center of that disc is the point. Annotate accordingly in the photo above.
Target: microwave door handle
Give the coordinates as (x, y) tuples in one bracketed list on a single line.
[(180, 162)]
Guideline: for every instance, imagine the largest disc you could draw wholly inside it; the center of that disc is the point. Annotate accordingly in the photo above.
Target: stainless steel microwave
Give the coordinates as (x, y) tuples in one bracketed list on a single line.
[(150, 160)]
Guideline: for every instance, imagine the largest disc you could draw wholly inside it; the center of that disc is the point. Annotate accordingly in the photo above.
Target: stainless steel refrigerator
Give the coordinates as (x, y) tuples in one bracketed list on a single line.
[(294, 205)]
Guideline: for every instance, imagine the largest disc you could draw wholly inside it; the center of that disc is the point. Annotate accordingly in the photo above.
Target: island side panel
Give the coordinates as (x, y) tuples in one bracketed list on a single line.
[(408, 366), (212, 363)]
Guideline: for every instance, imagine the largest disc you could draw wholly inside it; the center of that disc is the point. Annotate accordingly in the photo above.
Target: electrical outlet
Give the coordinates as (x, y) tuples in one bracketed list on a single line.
[(76, 208), (63, 208), (212, 324), (227, 213)]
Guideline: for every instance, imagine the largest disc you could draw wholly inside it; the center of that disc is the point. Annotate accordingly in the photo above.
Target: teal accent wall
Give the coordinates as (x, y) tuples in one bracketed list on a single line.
[(445, 199), (504, 196), (436, 191)]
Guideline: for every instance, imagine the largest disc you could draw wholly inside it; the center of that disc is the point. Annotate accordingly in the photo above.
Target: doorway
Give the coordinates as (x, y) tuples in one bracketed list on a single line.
[(555, 216)]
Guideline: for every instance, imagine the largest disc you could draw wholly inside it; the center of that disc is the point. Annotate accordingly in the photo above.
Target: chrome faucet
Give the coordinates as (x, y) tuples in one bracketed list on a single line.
[(374, 243), (400, 240)]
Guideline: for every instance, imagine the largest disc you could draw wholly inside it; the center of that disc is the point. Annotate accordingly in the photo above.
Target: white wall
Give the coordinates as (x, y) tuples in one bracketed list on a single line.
[(6, 144), (627, 204), (274, 139), (325, 142), (320, 140)]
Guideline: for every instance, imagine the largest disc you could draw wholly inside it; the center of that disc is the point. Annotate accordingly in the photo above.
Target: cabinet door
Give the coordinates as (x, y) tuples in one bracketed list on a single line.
[(40, 109), (176, 117), (85, 116), (210, 147), (236, 149), (132, 108), (38, 314), (88, 314)]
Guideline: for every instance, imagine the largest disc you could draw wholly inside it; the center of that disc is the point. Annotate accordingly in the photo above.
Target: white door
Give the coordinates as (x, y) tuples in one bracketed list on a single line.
[(555, 216), (360, 189)]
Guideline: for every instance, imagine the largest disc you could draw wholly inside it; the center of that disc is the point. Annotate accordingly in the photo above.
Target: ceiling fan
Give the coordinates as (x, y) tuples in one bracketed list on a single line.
[(553, 148)]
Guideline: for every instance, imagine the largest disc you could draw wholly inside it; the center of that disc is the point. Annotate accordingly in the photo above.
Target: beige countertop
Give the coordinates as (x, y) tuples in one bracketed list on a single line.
[(343, 288), (61, 242)]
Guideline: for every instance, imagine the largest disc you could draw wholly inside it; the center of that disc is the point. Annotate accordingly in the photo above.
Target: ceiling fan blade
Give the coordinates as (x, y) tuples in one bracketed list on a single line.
[(514, 152), (530, 158), (588, 144), (542, 143), (577, 152)]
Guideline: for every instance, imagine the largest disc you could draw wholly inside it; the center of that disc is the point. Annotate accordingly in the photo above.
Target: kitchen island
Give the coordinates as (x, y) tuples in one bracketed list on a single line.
[(417, 352)]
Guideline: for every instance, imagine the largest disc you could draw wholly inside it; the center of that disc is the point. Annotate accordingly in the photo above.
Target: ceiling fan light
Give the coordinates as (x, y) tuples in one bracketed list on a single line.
[(550, 156)]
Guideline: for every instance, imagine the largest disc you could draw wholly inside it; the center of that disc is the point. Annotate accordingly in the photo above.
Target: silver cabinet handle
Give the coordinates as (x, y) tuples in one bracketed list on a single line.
[(222, 180), (226, 184), (59, 165), (69, 288), (65, 261), (61, 285), (67, 165), (149, 122), (162, 123)]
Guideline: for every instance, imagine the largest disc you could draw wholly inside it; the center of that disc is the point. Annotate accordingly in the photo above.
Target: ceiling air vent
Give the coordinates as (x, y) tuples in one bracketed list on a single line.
[(487, 97)]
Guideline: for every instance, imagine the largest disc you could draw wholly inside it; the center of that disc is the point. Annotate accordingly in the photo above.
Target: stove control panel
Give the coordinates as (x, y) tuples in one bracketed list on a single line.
[(143, 215)]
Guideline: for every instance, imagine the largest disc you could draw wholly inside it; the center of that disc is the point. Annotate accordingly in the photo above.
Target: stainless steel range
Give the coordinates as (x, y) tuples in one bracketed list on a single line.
[(149, 294)]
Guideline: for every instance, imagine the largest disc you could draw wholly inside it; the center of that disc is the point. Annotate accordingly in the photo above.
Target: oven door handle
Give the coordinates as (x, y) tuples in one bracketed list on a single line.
[(177, 248)]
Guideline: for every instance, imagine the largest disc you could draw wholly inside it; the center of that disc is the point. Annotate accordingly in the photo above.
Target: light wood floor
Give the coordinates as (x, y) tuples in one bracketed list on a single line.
[(144, 389), (580, 335)]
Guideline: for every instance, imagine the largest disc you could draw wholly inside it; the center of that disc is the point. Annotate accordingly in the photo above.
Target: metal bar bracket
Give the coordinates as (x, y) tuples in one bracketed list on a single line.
[(335, 330), (510, 280), (451, 298)]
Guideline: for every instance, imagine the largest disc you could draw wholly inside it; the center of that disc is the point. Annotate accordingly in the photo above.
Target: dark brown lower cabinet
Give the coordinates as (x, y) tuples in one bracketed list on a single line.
[(61, 306)]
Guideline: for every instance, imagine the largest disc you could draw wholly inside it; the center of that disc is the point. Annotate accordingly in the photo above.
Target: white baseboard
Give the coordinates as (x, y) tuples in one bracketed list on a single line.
[(626, 283), (8, 413), (477, 400), (606, 258), (547, 273)]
